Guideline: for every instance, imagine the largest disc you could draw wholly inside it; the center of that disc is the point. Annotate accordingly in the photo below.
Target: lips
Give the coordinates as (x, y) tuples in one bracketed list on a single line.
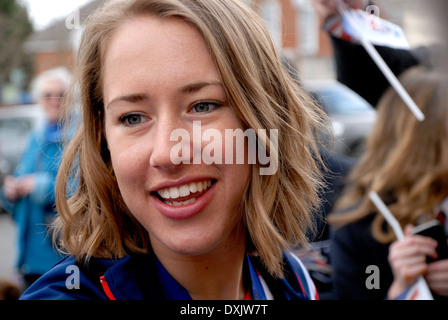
[(184, 200), (184, 194)]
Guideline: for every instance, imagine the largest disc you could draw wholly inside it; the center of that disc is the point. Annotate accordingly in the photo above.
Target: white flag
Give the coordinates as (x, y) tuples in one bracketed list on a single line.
[(373, 28), (419, 291)]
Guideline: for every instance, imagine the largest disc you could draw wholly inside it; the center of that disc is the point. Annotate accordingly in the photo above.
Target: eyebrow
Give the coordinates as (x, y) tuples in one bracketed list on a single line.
[(188, 89), (195, 87), (133, 98)]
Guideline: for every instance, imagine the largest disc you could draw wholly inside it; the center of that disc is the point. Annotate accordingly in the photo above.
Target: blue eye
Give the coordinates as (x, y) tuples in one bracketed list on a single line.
[(131, 119), (204, 106)]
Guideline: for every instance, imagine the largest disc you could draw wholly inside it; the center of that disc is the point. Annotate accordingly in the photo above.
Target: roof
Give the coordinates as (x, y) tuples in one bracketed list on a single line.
[(58, 36)]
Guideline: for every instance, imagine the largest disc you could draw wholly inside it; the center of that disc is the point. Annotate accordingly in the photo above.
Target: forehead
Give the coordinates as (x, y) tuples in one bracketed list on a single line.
[(155, 51), (52, 83), (51, 86)]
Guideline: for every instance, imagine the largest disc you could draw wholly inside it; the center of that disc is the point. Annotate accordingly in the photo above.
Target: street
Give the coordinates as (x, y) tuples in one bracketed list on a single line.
[(7, 246)]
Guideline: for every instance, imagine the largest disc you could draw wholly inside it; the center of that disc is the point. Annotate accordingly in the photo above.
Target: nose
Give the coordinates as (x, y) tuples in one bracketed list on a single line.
[(55, 102), (171, 144)]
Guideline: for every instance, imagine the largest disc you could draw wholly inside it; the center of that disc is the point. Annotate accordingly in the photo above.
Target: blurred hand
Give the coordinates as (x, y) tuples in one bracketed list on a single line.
[(10, 188), (407, 259), (328, 8), (325, 8), (26, 185), (437, 277), (17, 188)]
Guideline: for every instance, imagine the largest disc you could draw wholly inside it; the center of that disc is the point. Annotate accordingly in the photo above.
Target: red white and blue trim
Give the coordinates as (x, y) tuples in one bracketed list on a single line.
[(299, 285)]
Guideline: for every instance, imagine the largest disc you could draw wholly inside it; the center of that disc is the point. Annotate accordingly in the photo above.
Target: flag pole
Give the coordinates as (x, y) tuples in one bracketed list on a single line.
[(383, 66)]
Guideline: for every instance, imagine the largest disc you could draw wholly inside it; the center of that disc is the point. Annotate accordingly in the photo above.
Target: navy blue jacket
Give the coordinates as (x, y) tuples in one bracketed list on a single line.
[(353, 249), (137, 277)]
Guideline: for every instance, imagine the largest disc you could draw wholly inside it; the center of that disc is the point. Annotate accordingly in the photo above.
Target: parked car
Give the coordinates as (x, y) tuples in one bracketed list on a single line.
[(16, 122), (352, 117)]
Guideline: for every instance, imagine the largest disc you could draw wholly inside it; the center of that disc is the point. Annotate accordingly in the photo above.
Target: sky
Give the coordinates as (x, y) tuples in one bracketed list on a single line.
[(43, 12)]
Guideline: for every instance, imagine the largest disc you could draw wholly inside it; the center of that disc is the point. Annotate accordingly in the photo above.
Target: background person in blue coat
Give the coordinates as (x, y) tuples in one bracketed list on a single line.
[(29, 193)]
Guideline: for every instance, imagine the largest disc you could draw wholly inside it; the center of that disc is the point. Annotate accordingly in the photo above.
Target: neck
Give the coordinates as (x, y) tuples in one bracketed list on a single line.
[(217, 275)]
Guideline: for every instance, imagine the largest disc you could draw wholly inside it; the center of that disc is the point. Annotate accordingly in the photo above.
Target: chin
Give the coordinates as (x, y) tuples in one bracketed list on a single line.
[(190, 245), (192, 248)]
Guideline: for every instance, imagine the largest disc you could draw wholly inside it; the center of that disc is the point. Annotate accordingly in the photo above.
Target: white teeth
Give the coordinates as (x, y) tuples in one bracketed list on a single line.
[(178, 204), (164, 193), (174, 193), (184, 191)]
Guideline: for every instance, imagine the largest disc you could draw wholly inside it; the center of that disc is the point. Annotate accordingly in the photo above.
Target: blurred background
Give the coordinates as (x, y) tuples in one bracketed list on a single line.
[(39, 35)]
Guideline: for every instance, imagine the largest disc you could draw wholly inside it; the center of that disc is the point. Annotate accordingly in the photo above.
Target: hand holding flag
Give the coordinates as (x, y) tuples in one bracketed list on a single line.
[(419, 290)]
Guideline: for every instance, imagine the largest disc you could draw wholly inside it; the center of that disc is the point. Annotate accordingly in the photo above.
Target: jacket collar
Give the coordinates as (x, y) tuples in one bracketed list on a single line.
[(139, 277)]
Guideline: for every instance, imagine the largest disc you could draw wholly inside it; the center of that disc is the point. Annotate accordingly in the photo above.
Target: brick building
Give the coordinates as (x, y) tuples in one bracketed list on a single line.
[(293, 25)]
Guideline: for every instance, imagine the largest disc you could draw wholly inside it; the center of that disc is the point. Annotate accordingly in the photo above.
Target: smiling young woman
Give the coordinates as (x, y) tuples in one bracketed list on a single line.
[(201, 231)]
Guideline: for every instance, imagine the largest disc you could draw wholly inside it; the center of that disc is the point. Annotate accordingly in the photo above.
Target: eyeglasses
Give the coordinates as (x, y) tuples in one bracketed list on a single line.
[(53, 95)]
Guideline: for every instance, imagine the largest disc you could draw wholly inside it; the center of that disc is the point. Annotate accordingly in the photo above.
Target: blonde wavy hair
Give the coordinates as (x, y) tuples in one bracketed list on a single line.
[(93, 218), (405, 161)]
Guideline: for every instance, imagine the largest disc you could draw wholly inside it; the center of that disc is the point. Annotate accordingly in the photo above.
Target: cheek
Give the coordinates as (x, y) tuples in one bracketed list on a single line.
[(128, 161), (129, 169), (236, 178)]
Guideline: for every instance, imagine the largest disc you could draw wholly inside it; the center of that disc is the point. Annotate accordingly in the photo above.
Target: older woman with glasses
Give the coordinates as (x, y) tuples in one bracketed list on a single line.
[(29, 193)]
